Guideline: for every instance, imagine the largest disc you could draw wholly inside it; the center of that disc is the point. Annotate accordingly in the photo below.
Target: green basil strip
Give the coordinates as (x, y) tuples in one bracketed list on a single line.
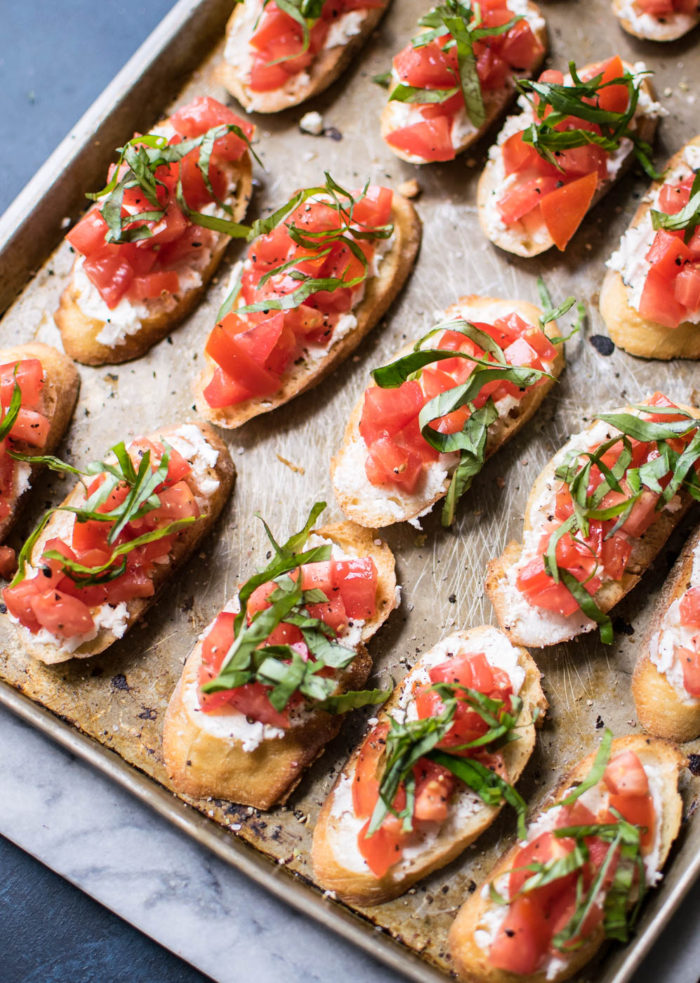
[(409, 93), (588, 606), (354, 699), (687, 219), (489, 786), (600, 763), (10, 416)]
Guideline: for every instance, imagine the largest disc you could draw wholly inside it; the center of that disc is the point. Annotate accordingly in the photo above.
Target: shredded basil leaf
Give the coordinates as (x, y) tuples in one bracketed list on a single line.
[(600, 763)]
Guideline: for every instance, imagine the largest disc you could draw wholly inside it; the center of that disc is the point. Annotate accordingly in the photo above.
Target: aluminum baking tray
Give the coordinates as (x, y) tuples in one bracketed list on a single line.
[(110, 709)]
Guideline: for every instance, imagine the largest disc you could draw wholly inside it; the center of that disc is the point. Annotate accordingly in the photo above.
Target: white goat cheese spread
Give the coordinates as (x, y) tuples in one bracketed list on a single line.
[(671, 636), (654, 28), (344, 826)]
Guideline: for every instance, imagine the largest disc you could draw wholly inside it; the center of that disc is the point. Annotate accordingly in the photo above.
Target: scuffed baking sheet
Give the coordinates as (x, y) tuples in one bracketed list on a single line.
[(118, 700)]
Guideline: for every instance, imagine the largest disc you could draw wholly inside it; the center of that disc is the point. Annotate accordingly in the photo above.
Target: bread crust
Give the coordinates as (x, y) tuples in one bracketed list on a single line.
[(495, 101), (660, 709), (627, 328), (354, 502), (644, 550), (323, 71), (367, 889), (669, 28), (59, 396), (529, 236), (200, 763), (79, 332), (185, 543), (471, 962), (379, 295)]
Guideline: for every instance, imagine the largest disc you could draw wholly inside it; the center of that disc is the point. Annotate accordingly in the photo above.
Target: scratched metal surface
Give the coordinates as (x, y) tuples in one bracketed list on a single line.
[(282, 459)]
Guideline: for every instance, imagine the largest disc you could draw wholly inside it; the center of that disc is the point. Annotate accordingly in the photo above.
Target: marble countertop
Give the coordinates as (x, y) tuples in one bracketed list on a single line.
[(53, 805)]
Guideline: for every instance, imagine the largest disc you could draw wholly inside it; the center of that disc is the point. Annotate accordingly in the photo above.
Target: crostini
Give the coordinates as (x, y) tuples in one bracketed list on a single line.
[(154, 237), (666, 681), (441, 103), (657, 20), (650, 298), (96, 562), (412, 438), (321, 274), (597, 516), (581, 872), (276, 57), (265, 688), (434, 771), (38, 391), (543, 173)]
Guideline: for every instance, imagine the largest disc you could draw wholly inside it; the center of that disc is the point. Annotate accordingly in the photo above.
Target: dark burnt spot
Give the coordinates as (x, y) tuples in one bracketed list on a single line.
[(119, 682), (602, 344), (694, 764)]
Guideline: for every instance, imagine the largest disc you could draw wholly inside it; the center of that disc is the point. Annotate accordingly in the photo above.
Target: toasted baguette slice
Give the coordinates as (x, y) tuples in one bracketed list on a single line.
[(537, 627), (529, 236), (98, 336), (351, 31), (670, 27), (664, 707), (374, 506), (394, 114), (59, 395), (471, 961), (627, 328), (210, 482), (262, 766), (302, 375), (338, 864)]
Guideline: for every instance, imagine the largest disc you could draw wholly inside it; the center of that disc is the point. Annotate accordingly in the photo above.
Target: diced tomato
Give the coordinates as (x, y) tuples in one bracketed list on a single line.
[(18, 600), (253, 700), (387, 411), (427, 67), (636, 809), (222, 390), (657, 8), (528, 191), (625, 775), (133, 583), (31, 427), (28, 375), (110, 272), (542, 848), (613, 98), (373, 209), (690, 608), (194, 188), (430, 140), (539, 588), (689, 660), (332, 612), (238, 364), (434, 785), (522, 939), (8, 562), (383, 849), (521, 48), (88, 235), (644, 513), (518, 155), (155, 285), (564, 208), (204, 113), (667, 253), (673, 197), (615, 554), (686, 288), (61, 614), (365, 787), (357, 582), (658, 303)]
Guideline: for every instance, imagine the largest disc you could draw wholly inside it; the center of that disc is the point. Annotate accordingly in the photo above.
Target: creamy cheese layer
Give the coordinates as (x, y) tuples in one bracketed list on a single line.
[(655, 28), (344, 826), (671, 636)]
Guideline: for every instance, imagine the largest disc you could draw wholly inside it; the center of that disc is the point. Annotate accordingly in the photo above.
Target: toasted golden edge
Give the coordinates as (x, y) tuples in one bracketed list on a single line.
[(471, 963), (518, 238), (499, 432), (201, 764), (380, 293), (79, 332), (366, 888), (643, 552), (659, 708), (627, 328), (323, 71), (667, 32), (60, 393), (185, 543), (496, 101)]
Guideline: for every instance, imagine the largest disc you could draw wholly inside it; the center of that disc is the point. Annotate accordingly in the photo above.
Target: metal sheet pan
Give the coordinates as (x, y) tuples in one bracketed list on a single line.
[(110, 709)]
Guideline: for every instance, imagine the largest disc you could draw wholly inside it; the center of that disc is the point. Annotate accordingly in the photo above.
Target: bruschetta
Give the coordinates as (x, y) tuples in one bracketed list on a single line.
[(579, 875), (145, 256), (38, 390), (666, 681), (412, 439), (394, 814), (543, 174), (597, 516), (440, 104), (276, 58), (95, 563), (657, 20), (265, 688), (650, 298), (322, 273)]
